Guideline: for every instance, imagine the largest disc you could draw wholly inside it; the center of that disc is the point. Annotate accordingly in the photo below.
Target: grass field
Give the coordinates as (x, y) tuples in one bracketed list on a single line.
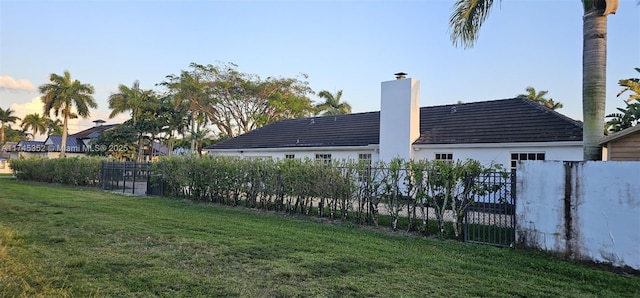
[(78, 242)]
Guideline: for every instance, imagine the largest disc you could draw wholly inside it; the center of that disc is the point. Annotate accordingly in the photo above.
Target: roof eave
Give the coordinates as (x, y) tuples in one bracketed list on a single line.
[(620, 134)]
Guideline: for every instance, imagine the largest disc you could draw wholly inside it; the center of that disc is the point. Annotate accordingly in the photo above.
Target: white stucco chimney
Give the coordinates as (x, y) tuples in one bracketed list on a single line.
[(399, 117)]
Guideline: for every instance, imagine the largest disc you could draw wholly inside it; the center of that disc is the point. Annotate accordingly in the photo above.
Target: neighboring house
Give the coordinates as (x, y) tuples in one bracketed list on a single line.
[(623, 145), (9, 150), (27, 149), (77, 143), (157, 150), (498, 131)]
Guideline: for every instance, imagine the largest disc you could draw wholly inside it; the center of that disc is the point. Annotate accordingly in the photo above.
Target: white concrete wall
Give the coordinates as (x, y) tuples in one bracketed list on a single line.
[(399, 118), (5, 167), (337, 153), (488, 154), (485, 153), (585, 210)]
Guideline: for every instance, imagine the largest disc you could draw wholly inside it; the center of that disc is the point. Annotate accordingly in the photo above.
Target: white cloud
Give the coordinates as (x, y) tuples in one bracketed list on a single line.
[(9, 83), (33, 106)]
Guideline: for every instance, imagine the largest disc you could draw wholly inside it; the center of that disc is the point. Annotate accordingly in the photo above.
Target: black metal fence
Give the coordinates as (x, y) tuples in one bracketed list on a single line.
[(491, 218), (125, 177)]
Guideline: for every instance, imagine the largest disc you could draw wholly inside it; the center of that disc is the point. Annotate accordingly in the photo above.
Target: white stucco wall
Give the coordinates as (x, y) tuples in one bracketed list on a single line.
[(399, 118), (489, 154), (602, 222), (337, 153)]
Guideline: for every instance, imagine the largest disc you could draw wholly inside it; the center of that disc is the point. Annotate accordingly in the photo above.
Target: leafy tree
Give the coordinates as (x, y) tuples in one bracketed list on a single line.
[(135, 100), (15, 135), (242, 102), (63, 94), (626, 118), (332, 104), (190, 92), (235, 102), (286, 98), (170, 120), (632, 85), (539, 97), (36, 123), (6, 117), (117, 142), (629, 116), (469, 15)]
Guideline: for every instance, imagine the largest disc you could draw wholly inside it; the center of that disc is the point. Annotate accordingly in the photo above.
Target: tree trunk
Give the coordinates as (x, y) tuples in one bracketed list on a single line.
[(140, 157), (594, 65), (193, 140), (65, 131)]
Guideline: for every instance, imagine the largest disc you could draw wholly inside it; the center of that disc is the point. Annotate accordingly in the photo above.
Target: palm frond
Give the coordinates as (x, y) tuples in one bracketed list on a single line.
[(467, 18)]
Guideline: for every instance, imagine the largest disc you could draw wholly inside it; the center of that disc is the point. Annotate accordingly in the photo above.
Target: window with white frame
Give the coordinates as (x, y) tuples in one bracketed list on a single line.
[(444, 156), (324, 158), (515, 157), (289, 156), (364, 160)]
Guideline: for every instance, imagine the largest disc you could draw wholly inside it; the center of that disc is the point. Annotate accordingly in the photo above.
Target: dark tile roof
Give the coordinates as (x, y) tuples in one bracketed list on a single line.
[(74, 145), (92, 132), (31, 146), (341, 130), (497, 121)]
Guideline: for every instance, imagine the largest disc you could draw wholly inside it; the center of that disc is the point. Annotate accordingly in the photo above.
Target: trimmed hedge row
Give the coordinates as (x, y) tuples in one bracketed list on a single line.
[(405, 189), (81, 171)]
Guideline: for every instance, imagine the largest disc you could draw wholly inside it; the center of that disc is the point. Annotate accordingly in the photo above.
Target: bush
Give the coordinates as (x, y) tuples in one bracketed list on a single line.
[(81, 171), (345, 190)]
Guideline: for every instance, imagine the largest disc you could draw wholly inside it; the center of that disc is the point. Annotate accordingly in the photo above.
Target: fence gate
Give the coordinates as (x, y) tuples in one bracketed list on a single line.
[(125, 177), (490, 219)]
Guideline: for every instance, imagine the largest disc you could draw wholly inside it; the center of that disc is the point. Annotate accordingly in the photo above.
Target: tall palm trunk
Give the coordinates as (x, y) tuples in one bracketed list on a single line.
[(594, 71), (65, 132), (2, 134)]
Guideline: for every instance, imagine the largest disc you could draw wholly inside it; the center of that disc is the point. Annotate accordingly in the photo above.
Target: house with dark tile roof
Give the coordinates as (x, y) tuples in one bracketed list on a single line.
[(27, 149), (497, 131), (77, 143)]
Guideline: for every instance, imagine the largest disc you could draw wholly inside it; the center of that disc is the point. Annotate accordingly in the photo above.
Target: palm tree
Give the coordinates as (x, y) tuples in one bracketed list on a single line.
[(37, 123), (135, 100), (54, 127), (552, 104), (61, 95), (469, 15), (132, 99), (6, 117), (189, 91), (332, 104), (632, 85), (539, 97)]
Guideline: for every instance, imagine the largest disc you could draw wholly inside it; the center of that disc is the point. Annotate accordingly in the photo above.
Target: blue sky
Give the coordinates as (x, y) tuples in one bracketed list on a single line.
[(348, 45)]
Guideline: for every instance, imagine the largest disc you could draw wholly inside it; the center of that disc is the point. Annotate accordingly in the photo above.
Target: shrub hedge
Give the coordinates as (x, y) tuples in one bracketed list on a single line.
[(81, 171), (338, 190)]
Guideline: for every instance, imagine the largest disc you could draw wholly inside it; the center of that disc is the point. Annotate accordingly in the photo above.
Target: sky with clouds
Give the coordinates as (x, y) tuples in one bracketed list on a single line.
[(351, 45)]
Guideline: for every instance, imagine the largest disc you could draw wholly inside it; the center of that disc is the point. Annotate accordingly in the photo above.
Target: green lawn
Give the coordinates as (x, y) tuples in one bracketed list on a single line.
[(63, 241)]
